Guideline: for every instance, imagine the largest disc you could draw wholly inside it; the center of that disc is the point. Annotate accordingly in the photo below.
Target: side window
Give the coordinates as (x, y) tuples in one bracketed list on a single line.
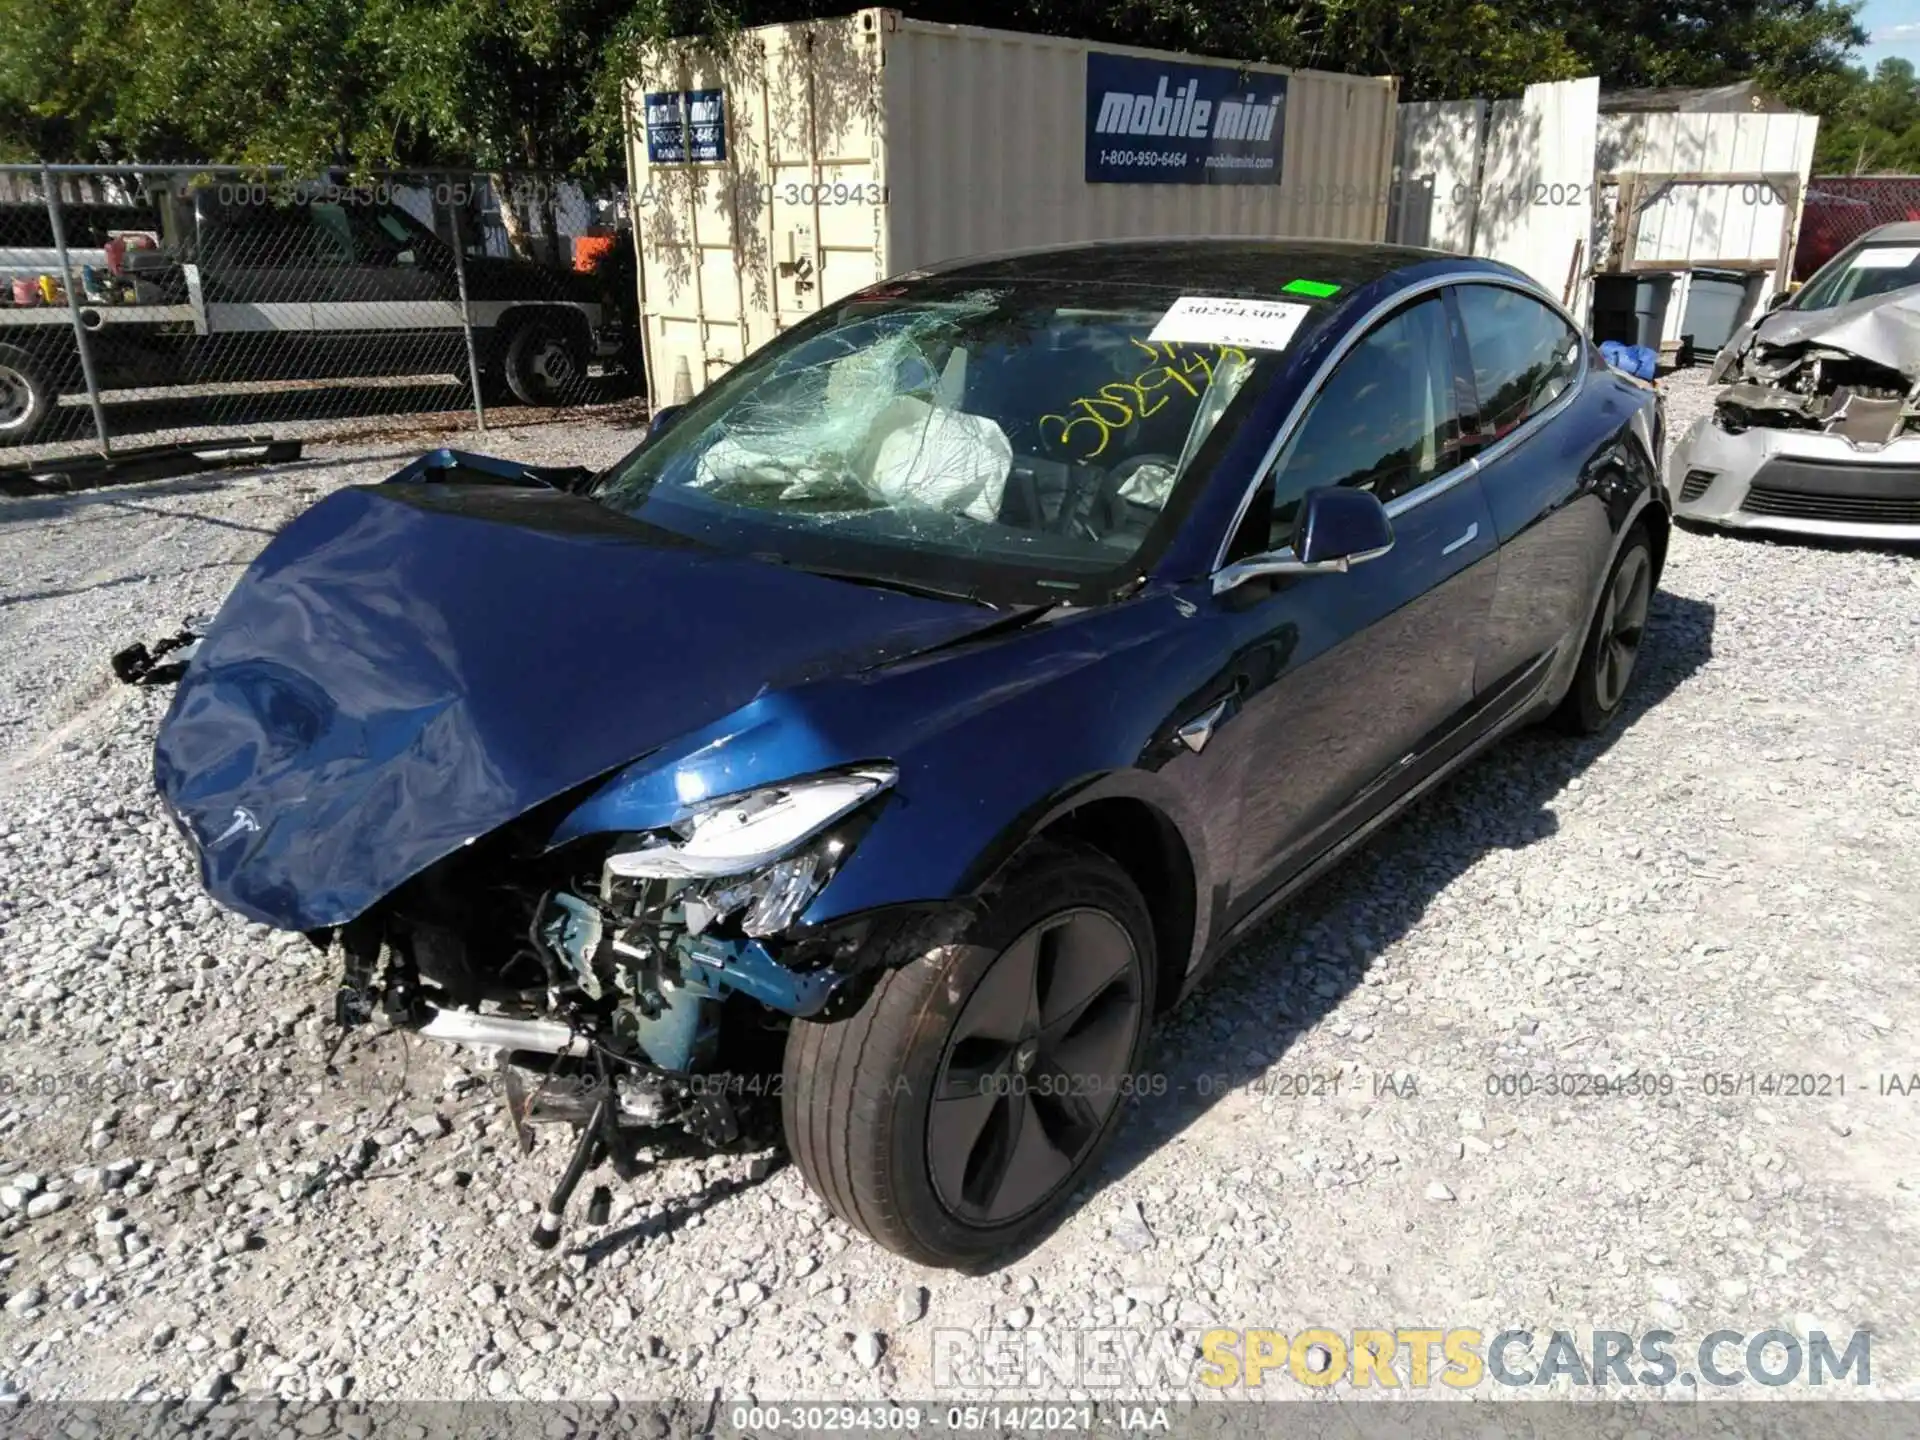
[(1384, 421), (378, 237), (259, 237), (332, 240), (1524, 356)]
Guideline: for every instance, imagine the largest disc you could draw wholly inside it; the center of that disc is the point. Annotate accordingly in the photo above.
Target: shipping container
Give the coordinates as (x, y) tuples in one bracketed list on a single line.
[(805, 161)]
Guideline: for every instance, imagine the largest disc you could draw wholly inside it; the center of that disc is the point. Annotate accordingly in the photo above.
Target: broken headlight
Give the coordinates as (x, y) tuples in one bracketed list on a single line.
[(762, 854)]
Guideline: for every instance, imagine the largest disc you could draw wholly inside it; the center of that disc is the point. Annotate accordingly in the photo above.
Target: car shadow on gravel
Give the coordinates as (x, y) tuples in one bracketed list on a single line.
[(1296, 969), (80, 504)]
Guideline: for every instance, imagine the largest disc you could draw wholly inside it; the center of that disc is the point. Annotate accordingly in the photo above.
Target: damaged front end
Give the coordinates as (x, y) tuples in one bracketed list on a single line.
[(1817, 387), (634, 984), (1851, 371), (1817, 431)]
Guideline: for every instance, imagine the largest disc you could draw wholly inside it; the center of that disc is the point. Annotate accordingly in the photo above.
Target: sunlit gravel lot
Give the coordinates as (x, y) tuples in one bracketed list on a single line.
[(1723, 891)]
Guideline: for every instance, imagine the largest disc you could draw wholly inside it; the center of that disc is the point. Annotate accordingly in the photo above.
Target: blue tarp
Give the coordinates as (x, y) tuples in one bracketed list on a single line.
[(1636, 360)]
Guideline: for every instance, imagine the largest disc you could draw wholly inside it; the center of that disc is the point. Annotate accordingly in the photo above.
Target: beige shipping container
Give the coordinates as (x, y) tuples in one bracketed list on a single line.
[(808, 160)]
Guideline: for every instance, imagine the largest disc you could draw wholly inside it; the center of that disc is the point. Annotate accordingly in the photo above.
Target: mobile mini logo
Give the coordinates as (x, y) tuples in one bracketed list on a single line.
[(1184, 114)]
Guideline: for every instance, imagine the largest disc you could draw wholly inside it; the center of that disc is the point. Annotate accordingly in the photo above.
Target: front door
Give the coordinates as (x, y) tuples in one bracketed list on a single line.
[(1357, 671)]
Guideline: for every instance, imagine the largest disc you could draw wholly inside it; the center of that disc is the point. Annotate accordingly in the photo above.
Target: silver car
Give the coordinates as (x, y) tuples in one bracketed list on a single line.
[(1818, 429)]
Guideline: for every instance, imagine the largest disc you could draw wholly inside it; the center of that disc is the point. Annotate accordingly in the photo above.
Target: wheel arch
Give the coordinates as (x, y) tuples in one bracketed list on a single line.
[(1140, 823), (1143, 841), (1659, 532)]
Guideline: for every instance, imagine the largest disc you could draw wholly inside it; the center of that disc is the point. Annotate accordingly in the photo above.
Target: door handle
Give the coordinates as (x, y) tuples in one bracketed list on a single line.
[(1197, 731), (1473, 533)]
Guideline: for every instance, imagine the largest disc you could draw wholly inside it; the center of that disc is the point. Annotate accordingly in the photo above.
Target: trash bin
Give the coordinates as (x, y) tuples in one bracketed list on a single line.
[(1630, 308), (1716, 306)]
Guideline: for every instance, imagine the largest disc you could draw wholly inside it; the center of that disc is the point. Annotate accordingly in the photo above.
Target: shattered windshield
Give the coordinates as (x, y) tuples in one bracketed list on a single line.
[(1870, 270), (947, 431)]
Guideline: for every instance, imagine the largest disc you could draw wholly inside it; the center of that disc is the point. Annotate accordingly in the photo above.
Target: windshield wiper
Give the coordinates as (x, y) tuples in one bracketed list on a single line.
[(879, 582)]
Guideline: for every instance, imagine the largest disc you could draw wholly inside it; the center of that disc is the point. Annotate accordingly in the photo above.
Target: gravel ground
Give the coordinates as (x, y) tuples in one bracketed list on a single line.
[(196, 1204)]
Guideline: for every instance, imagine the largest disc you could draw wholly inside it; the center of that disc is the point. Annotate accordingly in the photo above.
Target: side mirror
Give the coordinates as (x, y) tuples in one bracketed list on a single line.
[(662, 418), (1778, 298), (1338, 528)]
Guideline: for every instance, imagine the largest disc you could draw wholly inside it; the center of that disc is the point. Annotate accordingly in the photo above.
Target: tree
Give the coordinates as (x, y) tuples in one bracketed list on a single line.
[(1876, 125), (537, 83), (237, 80)]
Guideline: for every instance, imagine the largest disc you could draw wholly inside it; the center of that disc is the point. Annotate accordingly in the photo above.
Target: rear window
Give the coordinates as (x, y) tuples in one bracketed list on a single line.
[(266, 236), (1524, 355)]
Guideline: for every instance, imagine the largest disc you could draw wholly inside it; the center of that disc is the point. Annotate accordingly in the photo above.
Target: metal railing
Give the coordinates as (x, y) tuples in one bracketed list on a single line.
[(156, 305)]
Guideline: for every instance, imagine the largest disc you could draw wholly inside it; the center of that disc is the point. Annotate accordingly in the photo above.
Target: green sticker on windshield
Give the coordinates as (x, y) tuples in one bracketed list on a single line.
[(1318, 289)]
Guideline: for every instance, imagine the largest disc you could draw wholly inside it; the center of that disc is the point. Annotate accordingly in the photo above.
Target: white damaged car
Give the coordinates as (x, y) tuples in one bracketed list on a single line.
[(1818, 429)]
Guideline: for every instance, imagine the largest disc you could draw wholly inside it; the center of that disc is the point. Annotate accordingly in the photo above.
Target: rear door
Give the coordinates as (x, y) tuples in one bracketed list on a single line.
[(260, 267), (387, 306), (1358, 673), (1527, 364)]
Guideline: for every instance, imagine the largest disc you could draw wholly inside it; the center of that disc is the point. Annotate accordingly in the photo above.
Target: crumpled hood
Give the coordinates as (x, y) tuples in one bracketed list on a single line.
[(1882, 328), (408, 667)]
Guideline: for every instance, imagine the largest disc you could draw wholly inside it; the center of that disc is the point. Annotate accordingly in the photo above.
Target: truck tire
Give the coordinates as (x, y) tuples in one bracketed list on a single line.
[(934, 1118), (546, 363), (492, 379), (27, 396)]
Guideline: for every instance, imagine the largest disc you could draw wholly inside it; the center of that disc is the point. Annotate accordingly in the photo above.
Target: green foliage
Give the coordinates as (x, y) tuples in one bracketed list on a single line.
[(515, 83), (1875, 129), (242, 80)]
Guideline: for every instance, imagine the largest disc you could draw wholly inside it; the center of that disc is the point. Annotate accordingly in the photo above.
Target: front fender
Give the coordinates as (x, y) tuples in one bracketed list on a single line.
[(993, 742)]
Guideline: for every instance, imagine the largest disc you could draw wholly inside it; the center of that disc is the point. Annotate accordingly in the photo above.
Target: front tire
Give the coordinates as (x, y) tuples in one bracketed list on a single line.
[(954, 1115), (1612, 651)]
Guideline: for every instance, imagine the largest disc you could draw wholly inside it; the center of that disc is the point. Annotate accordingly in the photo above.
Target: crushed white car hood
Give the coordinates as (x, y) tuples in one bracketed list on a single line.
[(1882, 328)]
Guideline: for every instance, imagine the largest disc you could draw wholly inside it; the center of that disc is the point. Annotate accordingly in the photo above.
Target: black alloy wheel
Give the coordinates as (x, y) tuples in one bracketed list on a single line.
[(954, 1115), (1624, 621), (1034, 1067), (1612, 649)]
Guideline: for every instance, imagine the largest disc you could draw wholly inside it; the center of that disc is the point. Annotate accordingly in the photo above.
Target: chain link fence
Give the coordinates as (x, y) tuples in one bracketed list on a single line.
[(149, 307), (1841, 208)]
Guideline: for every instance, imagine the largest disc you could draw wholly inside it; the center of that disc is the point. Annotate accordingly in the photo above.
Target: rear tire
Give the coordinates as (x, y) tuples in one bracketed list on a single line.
[(27, 396), (955, 1114), (1609, 658), (545, 364)]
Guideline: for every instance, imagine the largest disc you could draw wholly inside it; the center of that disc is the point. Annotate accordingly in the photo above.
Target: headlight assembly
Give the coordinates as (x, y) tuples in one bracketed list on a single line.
[(763, 852)]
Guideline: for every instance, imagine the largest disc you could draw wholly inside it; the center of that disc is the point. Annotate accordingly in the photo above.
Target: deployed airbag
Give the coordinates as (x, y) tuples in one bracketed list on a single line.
[(881, 426), (920, 456)]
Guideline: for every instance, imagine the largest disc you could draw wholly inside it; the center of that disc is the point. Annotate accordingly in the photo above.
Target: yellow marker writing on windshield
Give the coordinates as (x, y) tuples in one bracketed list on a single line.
[(1120, 403)]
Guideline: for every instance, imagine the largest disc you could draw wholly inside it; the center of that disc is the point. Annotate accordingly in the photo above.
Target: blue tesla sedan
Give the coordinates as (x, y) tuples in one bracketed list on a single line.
[(918, 712)]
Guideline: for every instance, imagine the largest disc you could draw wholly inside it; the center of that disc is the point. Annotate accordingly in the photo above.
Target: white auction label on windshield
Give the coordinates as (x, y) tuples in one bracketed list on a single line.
[(1220, 320), (1886, 257)]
